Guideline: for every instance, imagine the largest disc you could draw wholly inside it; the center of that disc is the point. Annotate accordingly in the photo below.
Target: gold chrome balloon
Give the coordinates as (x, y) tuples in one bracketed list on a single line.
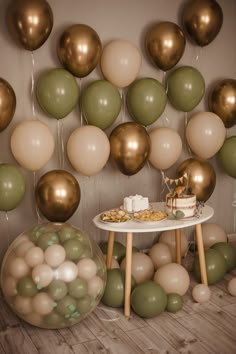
[(222, 101), (57, 195), (202, 20), (30, 22), (165, 44), (79, 49), (130, 147), (201, 177), (7, 103)]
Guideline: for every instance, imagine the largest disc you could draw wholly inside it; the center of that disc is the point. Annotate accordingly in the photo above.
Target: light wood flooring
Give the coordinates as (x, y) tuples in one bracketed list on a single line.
[(197, 328)]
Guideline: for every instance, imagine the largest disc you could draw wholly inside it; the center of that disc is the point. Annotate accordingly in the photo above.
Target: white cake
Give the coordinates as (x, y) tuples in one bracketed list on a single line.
[(185, 203), (135, 203)]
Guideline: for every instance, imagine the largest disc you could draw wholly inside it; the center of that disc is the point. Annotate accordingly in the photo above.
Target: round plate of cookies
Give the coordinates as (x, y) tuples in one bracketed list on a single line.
[(150, 216), (115, 216)]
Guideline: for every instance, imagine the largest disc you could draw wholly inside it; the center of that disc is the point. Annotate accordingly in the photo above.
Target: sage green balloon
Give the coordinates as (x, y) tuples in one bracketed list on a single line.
[(47, 239), (74, 249), (146, 100), (174, 303), (228, 251), (115, 288), (57, 289), (148, 299), (66, 306), (66, 233), (53, 320), (12, 187), (227, 156), (78, 288), (100, 104), (26, 287), (185, 88), (57, 92), (85, 305), (215, 266), (119, 250)]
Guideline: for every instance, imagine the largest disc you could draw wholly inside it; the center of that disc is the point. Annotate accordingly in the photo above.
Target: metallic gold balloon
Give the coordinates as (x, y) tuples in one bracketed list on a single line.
[(165, 44), (57, 195), (222, 101), (7, 103), (202, 177), (30, 22), (202, 20), (79, 49), (130, 147)]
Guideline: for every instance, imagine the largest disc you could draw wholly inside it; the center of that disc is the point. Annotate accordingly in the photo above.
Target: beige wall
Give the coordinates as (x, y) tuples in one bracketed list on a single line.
[(123, 19)]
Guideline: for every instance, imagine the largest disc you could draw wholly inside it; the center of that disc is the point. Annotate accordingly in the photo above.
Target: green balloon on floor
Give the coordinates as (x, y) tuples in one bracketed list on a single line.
[(115, 288), (228, 252), (148, 299), (215, 266), (118, 250), (174, 303)]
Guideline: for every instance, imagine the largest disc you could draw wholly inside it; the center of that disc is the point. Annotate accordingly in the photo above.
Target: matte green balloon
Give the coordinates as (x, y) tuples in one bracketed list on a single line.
[(47, 239), (12, 187), (85, 305), (78, 288), (57, 92), (26, 287), (148, 299), (228, 252), (74, 249), (66, 306), (215, 266), (115, 288), (174, 303), (146, 100), (100, 103), (185, 88), (66, 233), (57, 289), (227, 156), (54, 320), (119, 250)]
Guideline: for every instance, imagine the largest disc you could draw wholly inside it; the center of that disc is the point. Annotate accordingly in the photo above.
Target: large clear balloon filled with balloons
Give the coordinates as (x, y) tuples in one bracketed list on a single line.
[(53, 275)]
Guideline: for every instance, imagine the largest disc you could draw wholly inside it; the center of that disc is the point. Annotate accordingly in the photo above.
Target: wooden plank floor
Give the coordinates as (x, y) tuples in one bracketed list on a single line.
[(198, 329)]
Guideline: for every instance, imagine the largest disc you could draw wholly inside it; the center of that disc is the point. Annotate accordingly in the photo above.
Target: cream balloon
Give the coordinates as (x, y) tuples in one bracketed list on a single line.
[(87, 268), (95, 286), (34, 318), (166, 147), (18, 268), (120, 62), (34, 256), (67, 271), (168, 237), (10, 286), (160, 254), (142, 267), (205, 134), (88, 150), (32, 144), (42, 275), (173, 278), (42, 303), (201, 293), (23, 305), (231, 286), (211, 234), (55, 255), (21, 249)]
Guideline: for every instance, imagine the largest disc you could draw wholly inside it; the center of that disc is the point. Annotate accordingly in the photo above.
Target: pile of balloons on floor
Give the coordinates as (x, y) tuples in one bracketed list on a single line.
[(53, 275)]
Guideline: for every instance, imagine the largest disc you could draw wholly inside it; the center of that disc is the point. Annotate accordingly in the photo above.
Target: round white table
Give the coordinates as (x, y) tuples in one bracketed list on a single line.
[(131, 227)]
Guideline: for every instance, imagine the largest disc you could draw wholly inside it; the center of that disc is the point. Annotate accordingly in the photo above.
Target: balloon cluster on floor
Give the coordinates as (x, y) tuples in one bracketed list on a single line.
[(53, 275)]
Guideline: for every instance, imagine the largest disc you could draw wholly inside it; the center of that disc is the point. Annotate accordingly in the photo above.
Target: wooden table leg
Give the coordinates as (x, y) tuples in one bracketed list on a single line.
[(128, 265), (201, 254), (111, 238), (178, 245)]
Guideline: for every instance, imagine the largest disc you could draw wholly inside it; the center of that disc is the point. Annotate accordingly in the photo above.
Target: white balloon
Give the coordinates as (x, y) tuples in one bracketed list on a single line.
[(201, 293), (160, 254), (211, 234), (168, 237), (142, 267), (231, 286)]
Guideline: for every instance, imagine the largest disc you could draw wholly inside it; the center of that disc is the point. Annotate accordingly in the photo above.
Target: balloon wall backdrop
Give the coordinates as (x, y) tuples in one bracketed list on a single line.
[(53, 275)]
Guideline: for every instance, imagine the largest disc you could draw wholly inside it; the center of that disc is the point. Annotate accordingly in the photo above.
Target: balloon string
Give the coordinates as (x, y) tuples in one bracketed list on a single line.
[(164, 183), (122, 96), (185, 129), (60, 144), (80, 110), (164, 80), (117, 318), (32, 83), (39, 220), (8, 229)]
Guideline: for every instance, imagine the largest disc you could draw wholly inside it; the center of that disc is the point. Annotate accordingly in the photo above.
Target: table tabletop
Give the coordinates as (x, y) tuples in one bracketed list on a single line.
[(205, 213)]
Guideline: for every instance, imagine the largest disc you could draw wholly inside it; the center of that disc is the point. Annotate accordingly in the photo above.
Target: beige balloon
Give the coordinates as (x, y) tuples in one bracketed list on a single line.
[(231, 286), (201, 293), (142, 267), (166, 147), (160, 254), (173, 278), (120, 62), (168, 237), (205, 134), (211, 234), (32, 144), (95, 286), (88, 150)]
